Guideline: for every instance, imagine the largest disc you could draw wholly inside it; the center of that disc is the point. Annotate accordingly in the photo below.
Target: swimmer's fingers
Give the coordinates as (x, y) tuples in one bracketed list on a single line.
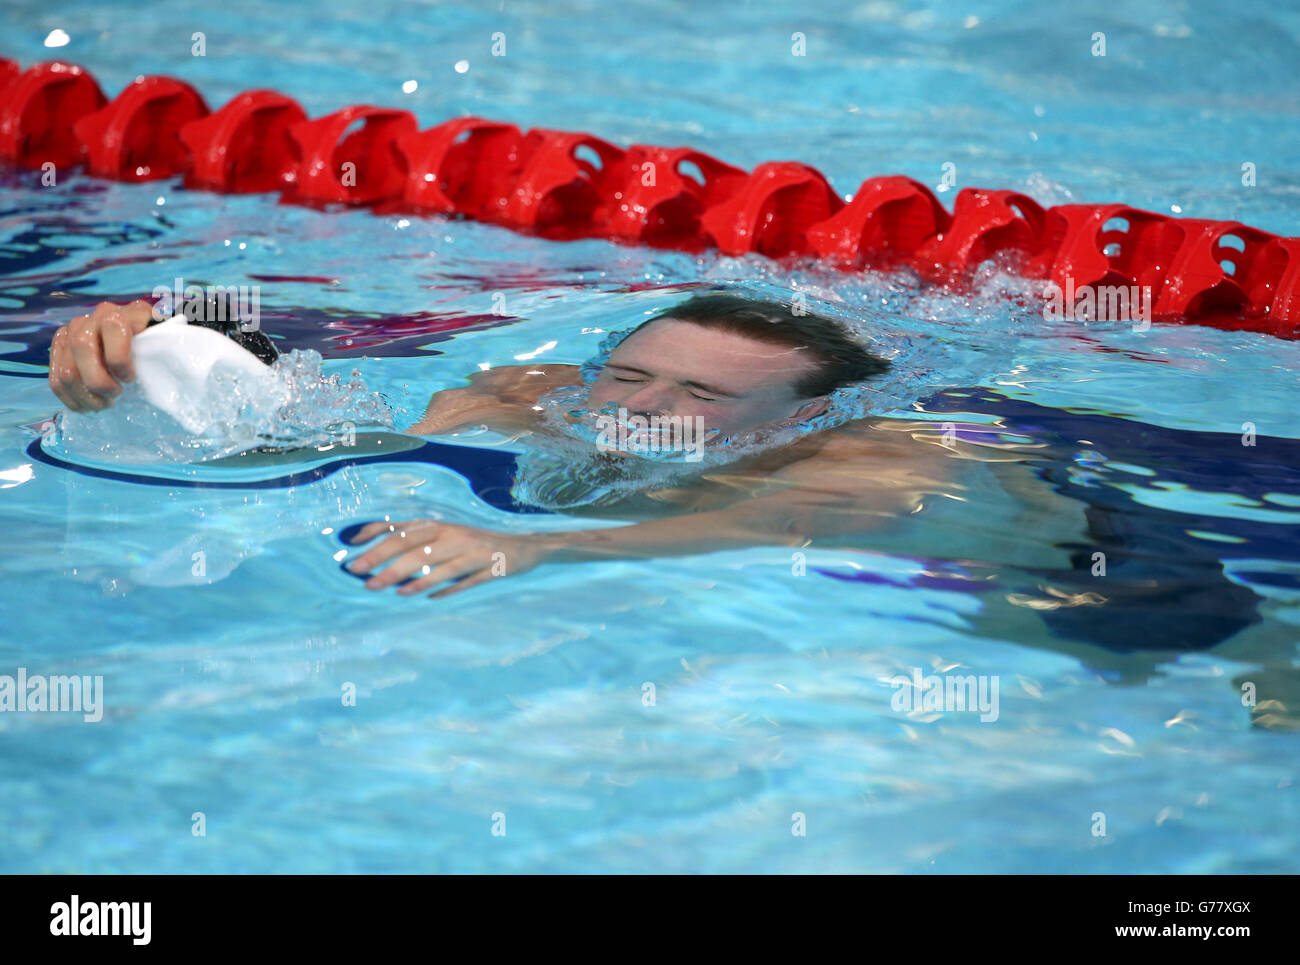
[(399, 542), (85, 340), (449, 410), (407, 560), (117, 331), (425, 553), (75, 395), (486, 556), (434, 561), (65, 378), (63, 373), (470, 566)]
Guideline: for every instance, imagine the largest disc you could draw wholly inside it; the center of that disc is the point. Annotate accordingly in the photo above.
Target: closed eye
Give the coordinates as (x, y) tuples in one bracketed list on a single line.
[(638, 381)]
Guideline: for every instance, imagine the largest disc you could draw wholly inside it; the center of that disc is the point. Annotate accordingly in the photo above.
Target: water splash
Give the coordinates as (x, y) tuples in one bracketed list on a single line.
[(298, 406)]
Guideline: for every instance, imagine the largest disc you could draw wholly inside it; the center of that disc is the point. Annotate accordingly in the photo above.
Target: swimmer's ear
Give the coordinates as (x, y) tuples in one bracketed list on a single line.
[(811, 409)]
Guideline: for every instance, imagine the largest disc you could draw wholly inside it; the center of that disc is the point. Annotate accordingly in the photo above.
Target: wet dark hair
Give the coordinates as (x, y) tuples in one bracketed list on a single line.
[(841, 359)]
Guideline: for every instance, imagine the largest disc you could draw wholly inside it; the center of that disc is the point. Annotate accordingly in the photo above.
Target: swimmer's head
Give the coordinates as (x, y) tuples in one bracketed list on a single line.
[(738, 363)]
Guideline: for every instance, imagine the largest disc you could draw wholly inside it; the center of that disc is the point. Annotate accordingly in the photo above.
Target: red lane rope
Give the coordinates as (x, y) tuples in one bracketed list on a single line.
[(566, 185)]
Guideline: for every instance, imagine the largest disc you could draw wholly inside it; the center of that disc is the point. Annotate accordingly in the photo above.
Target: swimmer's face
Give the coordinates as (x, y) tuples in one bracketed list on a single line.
[(671, 368)]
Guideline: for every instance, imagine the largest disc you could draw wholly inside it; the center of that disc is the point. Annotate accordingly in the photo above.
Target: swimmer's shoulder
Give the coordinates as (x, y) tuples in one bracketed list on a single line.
[(525, 384), (881, 439), (861, 461)]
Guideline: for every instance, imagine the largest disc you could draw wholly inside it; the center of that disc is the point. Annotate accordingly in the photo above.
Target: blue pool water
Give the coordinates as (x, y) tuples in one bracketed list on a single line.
[(524, 698)]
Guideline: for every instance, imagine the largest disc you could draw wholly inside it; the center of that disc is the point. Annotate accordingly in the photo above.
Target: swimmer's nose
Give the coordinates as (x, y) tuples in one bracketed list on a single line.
[(647, 401)]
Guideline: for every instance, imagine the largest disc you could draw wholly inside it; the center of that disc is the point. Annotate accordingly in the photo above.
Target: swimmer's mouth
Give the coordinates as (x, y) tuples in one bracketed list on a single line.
[(641, 436)]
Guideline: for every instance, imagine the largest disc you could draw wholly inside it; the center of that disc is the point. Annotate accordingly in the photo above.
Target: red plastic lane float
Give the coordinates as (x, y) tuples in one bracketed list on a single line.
[(1207, 276), (984, 223), (772, 211), (465, 166), (9, 71), (1108, 244), (656, 198), (38, 110), (245, 146), (887, 221), (136, 137), (563, 184), (340, 164), (558, 187), (1274, 289)]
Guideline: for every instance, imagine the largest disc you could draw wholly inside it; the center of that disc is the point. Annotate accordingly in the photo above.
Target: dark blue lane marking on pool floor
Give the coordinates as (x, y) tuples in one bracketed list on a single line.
[(489, 472), (347, 532), (925, 581)]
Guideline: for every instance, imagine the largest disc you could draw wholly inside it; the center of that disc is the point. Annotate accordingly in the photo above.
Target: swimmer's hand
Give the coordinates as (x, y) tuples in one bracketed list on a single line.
[(434, 552), (502, 398), (90, 357)]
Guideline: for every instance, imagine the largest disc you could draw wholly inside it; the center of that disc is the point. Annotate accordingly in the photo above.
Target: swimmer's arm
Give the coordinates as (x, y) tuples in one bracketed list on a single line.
[(503, 398), (779, 519), (432, 552)]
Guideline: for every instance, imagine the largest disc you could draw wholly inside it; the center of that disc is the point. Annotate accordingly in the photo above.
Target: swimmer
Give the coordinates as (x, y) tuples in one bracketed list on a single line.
[(738, 364), (743, 367)]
